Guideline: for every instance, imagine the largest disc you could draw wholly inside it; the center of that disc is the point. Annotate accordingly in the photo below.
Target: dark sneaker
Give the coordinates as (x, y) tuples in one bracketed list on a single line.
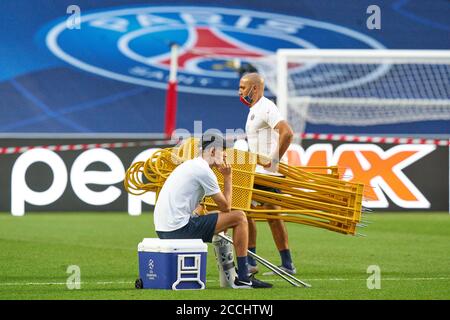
[(258, 284), (239, 284), (253, 283), (291, 271)]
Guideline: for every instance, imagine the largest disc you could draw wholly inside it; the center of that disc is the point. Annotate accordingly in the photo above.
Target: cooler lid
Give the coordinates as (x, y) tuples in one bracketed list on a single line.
[(172, 245)]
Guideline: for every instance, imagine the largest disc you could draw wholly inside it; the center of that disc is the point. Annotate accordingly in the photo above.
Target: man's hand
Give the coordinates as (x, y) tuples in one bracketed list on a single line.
[(272, 166), (264, 160), (225, 169), (224, 200)]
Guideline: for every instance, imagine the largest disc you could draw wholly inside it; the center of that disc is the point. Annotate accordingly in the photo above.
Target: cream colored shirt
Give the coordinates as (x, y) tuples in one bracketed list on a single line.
[(262, 138)]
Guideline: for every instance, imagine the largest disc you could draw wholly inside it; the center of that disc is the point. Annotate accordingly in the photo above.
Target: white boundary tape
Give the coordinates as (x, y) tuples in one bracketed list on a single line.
[(373, 139), (85, 146), (312, 136)]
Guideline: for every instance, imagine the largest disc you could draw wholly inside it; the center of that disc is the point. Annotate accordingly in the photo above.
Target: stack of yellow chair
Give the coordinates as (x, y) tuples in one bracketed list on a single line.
[(311, 196)]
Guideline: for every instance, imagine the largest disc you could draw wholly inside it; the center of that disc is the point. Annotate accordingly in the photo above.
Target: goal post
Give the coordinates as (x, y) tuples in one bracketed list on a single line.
[(359, 87)]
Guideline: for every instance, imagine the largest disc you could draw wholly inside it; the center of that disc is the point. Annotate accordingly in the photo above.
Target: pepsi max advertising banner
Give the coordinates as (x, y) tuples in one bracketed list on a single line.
[(87, 175)]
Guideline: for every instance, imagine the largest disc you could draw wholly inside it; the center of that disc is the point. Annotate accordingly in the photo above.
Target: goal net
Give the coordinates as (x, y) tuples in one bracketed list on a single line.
[(359, 87)]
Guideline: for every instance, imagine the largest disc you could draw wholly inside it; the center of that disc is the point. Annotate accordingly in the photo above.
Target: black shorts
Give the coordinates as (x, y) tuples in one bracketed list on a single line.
[(264, 188), (198, 227)]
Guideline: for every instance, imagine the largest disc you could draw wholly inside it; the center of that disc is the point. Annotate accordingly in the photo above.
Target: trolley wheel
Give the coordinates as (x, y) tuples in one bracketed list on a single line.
[(139, 284)]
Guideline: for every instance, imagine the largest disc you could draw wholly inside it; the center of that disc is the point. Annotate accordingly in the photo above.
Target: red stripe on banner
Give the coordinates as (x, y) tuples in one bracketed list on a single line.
[(312, 136), (369, 139), (171, 108), (75, 147)]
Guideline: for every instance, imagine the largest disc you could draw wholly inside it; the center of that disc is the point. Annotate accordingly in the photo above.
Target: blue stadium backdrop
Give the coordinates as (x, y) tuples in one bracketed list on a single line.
[(110, 74)]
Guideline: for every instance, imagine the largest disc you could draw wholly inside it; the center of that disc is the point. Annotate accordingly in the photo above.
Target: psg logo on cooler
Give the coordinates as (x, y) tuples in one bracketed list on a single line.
[(133, 44)]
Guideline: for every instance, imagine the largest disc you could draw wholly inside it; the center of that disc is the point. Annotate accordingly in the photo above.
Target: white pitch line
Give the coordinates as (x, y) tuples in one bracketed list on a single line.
[(59, 283), (31, 283), (345, 279), (268, 280), (386, 279)]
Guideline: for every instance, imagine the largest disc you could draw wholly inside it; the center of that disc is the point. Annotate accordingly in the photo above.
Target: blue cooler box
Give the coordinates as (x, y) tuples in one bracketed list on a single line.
[(172, 263)]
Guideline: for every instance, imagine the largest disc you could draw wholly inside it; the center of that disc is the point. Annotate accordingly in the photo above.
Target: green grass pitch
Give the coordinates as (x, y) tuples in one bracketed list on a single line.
[(412, 251)]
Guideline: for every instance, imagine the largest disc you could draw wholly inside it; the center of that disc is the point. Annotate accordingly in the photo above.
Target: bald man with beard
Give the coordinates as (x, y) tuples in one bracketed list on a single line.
[(270, 135)]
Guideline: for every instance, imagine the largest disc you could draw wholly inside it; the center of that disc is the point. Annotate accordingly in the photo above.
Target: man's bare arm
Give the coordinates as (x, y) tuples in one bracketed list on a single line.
[(285, 137), (223, 200)]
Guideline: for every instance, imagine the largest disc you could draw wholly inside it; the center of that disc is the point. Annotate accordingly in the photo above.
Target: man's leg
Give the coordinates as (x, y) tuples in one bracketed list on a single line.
[(278, 228), (280, 237), (252, 244), (238, 221)]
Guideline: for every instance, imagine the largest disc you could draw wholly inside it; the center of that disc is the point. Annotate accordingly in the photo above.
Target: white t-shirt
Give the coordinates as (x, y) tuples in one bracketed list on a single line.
[(261, 136), (182, 192)]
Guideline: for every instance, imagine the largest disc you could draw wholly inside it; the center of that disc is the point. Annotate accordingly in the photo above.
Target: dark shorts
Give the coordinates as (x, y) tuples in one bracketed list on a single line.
[(198, 227), (264, 188)]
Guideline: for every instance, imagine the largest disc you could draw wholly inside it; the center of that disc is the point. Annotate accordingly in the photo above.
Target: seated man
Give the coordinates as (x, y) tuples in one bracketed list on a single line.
[(182, 193)]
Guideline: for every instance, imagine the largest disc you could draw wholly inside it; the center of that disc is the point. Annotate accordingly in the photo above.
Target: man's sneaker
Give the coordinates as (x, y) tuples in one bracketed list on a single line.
[(252, 269), (253, 283), (258, 284), (239, 284), (291, 271)]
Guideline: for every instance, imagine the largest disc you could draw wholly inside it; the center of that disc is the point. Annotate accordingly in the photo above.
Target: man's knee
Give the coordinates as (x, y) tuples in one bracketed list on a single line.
[(240, 217)]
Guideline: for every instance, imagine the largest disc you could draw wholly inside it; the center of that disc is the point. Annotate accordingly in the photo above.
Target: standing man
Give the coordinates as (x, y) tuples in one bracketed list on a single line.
[(181, 194), (270, 135)]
